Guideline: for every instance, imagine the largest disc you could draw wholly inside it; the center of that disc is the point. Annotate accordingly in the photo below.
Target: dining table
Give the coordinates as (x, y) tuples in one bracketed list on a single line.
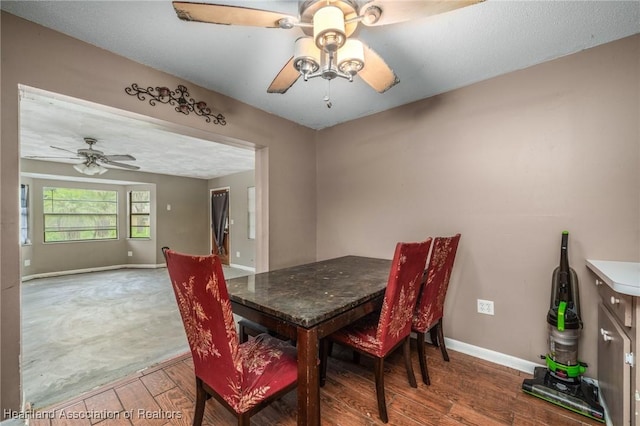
[(308, 302)]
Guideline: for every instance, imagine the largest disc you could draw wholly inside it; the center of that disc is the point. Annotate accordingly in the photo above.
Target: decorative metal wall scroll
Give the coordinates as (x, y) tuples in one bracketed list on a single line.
[(180, 98)]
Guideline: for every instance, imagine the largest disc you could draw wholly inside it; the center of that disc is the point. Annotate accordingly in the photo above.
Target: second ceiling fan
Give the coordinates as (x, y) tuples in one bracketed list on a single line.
[(326, 49)]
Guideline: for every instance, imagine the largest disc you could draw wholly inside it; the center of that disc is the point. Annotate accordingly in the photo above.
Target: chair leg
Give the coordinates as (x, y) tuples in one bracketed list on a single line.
[(433, 333), (406, 349), (244, 337), (443, 348), (325, 348), (422, 357), (379, 375), (244, 420), (201, 398)]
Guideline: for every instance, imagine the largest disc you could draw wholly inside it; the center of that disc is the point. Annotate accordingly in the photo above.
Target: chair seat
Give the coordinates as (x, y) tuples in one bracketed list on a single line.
[(269, 366), (361, 335)]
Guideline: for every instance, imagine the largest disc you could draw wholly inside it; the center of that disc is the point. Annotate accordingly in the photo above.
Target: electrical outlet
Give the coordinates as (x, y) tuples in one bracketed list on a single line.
[(130, 253), (485, 307), (237, 254)]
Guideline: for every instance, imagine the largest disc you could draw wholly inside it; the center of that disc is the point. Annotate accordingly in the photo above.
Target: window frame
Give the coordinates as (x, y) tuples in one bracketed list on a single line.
[(113, 213), (131, 214)]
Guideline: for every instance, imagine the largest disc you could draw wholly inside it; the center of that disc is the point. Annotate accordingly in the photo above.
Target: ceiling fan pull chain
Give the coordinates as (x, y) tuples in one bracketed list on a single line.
[(327, 97)]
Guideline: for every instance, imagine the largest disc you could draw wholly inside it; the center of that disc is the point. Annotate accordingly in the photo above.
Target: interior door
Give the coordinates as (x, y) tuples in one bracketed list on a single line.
[(220, 224)]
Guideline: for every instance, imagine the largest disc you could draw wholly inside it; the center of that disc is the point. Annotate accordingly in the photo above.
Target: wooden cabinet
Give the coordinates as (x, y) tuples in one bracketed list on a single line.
[(614, 377), (618, 285)]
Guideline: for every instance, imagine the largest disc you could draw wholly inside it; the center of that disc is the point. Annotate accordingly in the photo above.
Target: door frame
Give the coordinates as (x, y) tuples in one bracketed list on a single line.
[(227, 260)]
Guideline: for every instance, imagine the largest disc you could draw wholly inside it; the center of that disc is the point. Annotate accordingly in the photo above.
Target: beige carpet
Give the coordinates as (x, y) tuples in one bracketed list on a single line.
[(82, 331)]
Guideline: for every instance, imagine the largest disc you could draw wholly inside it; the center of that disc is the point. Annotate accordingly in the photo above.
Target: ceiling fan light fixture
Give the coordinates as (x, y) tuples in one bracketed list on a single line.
[(306, 57), (351, 57), (328, 29), (80, 167), (90, 169)]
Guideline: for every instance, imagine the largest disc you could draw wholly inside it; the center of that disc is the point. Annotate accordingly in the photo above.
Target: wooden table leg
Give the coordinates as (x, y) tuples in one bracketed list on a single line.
[(308, 385)]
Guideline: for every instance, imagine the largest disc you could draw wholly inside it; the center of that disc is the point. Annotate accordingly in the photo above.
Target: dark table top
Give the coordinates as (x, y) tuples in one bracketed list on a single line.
[(309, 294)]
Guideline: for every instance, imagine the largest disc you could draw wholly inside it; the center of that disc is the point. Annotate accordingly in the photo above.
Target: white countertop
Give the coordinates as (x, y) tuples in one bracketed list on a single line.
[(622, 277)]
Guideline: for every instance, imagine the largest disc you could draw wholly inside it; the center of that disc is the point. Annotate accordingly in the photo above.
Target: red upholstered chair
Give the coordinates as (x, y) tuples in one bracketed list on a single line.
[(430, 307), (245, 377), (380, 333)]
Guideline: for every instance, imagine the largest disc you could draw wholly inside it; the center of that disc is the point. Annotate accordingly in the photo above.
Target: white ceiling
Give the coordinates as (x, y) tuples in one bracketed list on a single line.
[(48, 120), (430, 55)]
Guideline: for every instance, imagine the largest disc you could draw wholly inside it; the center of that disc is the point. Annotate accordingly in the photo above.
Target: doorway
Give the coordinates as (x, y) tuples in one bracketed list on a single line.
[(220, 236), (32, 104)]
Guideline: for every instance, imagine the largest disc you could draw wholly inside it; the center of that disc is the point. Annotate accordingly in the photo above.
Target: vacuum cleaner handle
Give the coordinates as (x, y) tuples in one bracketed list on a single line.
[(563, 274), (564, 283)]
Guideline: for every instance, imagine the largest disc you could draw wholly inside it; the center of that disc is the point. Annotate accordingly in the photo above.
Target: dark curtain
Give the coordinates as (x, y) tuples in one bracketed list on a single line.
[(219, 208), (24, 213)]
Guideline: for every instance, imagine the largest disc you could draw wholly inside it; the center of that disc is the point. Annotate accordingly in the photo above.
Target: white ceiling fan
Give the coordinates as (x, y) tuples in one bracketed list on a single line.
[(93, 159), (326, 49)]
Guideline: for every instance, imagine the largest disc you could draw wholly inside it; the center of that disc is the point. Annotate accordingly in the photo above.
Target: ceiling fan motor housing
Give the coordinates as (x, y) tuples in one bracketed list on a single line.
[(329, 29), (309, 8), (90, 152)]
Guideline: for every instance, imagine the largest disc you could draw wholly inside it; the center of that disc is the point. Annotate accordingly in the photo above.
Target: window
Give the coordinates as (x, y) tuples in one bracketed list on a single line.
[(140, 214), (24, 214), (74, 214)]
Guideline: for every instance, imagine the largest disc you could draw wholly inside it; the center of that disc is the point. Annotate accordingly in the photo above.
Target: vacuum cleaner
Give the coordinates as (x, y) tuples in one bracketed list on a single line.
[(561, 382)]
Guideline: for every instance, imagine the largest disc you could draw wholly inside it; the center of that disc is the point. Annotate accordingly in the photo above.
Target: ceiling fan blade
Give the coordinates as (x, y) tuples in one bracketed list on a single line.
[(119, 157), (123, 165), (35, 157), (64, 149), (400, 11), (229, 15), (285, 78), (376, 73)]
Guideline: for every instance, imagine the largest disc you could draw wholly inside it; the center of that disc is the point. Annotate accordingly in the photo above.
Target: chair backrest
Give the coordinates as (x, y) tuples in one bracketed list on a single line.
[(405, 277), (430, 307), (201, 293)]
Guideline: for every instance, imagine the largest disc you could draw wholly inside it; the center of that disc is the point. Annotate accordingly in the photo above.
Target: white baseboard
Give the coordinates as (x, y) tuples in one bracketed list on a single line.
[(243, 267), (492, 356), (96, 269)]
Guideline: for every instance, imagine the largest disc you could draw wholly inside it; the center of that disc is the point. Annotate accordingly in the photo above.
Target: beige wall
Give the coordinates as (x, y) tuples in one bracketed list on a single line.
[(510, 163), (44, 59), (238, 183), (181, 227)]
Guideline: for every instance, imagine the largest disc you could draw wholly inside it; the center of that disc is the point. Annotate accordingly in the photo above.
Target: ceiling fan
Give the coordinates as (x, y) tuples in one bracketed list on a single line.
[(93, 159), (326, 49)]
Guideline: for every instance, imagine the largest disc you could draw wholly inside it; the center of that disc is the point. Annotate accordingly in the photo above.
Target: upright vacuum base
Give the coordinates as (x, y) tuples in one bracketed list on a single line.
[(573, 394)]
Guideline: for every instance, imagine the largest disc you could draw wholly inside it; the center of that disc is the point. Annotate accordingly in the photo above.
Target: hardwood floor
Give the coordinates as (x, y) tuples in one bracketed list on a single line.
[(464, 391)]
